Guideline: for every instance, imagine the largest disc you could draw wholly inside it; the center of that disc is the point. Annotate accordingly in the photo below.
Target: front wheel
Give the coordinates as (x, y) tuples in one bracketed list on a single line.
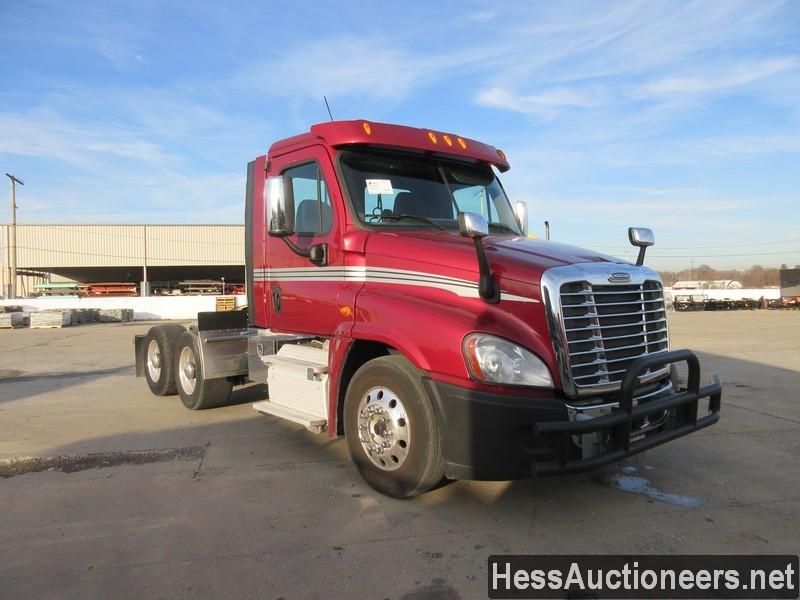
[(196, 392), (391, 428)]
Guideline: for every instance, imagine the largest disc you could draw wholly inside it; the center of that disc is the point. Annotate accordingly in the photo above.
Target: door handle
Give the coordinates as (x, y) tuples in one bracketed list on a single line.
[(318, 254), (276, 298)]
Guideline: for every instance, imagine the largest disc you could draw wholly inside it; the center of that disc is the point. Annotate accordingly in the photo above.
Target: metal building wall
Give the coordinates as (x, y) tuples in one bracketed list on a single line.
[(43, 246), (195, 245)]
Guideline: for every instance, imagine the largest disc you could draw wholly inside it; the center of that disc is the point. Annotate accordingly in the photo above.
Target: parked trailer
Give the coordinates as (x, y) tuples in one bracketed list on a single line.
[(395, 299), (724, 299)]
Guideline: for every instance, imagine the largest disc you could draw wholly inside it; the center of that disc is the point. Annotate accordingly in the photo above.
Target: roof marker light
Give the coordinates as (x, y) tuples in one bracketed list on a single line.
[(432, 137), (462, 143), (501, 154), (367, 128), (447, 140)]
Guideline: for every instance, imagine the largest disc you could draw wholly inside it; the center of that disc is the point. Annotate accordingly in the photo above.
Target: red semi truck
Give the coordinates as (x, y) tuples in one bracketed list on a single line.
[(395, 298)]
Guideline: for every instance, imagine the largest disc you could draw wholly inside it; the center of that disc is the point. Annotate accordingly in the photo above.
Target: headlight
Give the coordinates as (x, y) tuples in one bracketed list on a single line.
[(494, 360)]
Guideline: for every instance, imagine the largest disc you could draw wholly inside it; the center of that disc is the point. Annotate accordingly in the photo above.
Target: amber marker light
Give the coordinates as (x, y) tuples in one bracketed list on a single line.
[(367, 128), (472, 359), (345, 311), (462, 143), (432, 137), (501, 154), (447, 140)]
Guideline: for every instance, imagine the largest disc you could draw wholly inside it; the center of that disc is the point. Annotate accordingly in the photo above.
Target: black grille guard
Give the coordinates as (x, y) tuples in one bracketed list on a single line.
[(619, 423)]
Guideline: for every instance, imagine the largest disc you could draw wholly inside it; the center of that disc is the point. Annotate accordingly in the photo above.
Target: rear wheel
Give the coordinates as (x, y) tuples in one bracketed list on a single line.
[(159, 352), (196, 392), (391, 428)]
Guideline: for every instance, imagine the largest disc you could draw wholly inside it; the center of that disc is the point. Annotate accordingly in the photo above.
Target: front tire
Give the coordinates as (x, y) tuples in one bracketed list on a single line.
[(159, 352), (391, 428), (197, 392)]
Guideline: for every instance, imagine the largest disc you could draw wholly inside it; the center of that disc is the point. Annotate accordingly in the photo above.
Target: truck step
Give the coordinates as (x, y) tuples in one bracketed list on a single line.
[(297, 379), (309, 421), (300, 356)]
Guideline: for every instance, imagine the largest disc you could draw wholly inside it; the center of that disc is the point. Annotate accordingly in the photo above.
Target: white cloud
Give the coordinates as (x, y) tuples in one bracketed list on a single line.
[(544, 103), (44, 134), (716, 80)]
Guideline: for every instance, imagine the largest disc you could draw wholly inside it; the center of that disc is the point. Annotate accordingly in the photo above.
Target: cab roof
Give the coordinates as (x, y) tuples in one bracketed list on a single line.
[(360, 132)]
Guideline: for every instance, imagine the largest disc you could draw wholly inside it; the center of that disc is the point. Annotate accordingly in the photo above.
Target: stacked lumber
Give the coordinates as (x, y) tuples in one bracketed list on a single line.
[(111, 288), (115, 315), (58, 290), (14, 319), (224, 303), (51, 318), (201, 286)]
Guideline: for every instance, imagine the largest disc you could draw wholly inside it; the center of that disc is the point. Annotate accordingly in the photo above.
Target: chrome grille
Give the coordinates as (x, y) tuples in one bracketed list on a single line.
[(607, 327)]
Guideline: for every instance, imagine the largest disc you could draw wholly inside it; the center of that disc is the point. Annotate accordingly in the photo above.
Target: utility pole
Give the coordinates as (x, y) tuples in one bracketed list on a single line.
[(13, 241)]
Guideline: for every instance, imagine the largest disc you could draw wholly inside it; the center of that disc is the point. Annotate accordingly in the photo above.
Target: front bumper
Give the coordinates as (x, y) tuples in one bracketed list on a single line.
[(495, 437)]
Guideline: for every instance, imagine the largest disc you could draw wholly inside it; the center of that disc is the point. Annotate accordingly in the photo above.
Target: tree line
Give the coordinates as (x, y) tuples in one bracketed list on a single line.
[(754, 277)]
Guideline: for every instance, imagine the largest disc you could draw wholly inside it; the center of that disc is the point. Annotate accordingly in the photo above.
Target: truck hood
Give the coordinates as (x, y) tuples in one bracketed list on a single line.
[(448, 253)]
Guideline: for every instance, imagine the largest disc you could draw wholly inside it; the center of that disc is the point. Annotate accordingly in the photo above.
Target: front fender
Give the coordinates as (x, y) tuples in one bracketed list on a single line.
[(429, 327)]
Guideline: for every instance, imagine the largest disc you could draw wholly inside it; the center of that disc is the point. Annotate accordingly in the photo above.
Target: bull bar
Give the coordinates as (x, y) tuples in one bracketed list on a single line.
[(621, 442)]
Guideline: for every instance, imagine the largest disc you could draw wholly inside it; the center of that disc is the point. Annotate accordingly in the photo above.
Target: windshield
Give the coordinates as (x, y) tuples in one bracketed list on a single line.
[(390, 190)]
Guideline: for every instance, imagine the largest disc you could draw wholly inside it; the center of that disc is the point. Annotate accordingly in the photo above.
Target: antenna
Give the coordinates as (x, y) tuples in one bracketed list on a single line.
[(328, 107)]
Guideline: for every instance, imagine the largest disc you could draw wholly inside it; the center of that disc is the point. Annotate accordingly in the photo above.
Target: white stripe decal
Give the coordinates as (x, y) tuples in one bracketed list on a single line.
[(460, 287)]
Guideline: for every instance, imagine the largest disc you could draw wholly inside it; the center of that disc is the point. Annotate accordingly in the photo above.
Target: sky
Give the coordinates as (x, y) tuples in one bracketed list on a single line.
[(679, 116)]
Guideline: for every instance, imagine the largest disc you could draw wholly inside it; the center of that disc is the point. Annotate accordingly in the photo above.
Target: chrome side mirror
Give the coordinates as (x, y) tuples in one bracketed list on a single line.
[(642, 238), (472, 225), (521, 212), (280, 206)]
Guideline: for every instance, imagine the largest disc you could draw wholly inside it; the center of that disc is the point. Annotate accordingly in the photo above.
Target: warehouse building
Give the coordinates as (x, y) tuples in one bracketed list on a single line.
[(158, 259)]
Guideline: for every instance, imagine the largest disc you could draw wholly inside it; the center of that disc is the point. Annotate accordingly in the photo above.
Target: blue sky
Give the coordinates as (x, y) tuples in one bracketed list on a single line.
[(684, 117)]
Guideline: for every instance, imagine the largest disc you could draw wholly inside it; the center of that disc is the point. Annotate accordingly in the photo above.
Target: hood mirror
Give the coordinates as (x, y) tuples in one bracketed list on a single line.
[(521, 212), (280, 206), (472, 225), (642, 238)]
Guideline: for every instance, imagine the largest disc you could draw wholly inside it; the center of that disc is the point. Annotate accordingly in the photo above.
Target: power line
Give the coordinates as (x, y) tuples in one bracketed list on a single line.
[(723, 255), (711, 247)]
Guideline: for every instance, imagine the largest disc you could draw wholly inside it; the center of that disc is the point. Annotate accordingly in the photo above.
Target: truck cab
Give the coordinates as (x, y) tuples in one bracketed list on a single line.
[(395, 298)]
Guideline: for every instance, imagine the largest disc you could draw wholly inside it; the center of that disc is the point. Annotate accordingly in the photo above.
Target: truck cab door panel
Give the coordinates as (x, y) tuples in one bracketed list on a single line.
[(305, 290)]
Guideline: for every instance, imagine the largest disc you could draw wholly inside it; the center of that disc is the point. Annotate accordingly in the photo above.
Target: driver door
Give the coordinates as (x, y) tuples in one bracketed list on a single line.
[(303, 296)]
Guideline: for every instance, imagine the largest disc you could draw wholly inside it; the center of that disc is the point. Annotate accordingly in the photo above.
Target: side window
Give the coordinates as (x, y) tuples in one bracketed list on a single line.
[(474, 199), (312, 203)]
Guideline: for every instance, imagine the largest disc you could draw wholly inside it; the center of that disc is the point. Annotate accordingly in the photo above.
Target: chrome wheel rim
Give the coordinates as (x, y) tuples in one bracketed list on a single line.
[(384, 429), (187, 370), (153, 360)]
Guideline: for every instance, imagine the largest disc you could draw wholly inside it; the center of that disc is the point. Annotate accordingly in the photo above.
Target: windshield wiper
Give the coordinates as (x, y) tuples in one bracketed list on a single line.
[(403, 216), (503, 227)]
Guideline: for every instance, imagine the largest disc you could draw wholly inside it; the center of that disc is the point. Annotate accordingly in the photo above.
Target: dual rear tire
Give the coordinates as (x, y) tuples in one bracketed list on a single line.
[(172, 365)]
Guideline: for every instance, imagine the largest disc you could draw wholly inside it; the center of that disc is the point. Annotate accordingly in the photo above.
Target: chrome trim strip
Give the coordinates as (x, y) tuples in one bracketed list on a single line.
[(594, 326), (595, 315)]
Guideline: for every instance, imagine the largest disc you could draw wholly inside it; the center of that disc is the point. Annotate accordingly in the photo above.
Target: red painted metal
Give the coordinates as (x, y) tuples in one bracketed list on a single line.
[(426, 323), (337, 134)]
